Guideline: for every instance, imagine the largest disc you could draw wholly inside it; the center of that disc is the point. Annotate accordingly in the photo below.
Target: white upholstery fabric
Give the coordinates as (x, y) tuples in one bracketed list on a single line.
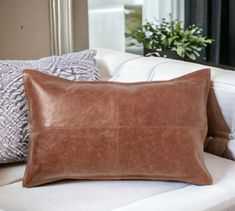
[(125, 67), (11, 173), (217, 197), (127, 195), (110, 61)]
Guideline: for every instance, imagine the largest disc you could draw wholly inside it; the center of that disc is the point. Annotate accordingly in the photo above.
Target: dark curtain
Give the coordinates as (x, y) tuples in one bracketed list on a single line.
[(217, 18)]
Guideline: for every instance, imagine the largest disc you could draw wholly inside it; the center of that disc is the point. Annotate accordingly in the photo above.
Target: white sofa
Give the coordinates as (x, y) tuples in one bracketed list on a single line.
[(135, 195)]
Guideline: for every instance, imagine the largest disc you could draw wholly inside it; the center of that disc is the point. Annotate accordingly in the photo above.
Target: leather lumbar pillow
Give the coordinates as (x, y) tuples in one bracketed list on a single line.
[(110, 130)]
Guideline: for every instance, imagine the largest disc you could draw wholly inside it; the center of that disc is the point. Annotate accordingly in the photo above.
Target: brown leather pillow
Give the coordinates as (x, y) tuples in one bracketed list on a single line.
[(109, 130)]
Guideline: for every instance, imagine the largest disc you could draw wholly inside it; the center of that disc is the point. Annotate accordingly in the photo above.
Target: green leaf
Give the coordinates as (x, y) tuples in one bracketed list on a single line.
[(170, 35), (191, 56)]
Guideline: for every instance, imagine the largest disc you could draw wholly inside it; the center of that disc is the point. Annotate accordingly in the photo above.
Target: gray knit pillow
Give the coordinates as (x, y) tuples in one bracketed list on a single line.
[(14, 131)]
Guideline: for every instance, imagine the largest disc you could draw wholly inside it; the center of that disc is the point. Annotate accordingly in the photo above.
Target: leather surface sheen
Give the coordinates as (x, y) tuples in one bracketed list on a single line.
[(110, 130)]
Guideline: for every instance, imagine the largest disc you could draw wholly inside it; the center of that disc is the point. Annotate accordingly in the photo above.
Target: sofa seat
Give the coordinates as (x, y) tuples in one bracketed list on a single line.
[(122, 195)]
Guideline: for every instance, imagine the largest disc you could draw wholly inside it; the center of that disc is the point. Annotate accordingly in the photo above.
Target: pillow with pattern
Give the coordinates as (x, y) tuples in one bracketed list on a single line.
[(14, 130)]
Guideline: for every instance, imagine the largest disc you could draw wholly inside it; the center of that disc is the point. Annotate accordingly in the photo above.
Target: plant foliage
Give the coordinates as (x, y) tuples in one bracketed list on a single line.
[(171, 35)]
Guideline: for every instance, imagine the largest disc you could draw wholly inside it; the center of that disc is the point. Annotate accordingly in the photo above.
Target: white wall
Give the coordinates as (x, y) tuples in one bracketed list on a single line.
[(133, 2), (106, 24), (162, 9)]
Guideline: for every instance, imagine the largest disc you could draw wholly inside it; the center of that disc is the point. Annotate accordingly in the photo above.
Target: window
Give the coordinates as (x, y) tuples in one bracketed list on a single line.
[(110, 19), (133, 20)]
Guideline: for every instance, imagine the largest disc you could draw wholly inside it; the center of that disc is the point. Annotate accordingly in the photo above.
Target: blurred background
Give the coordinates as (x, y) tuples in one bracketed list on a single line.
[(31, 29)]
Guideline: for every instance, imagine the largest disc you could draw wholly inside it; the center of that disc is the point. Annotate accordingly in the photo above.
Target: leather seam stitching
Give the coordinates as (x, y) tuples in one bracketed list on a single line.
[(154, 69), (119, 70)]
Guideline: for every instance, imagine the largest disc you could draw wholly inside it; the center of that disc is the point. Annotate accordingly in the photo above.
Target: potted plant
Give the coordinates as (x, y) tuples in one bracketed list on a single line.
[(170, 39)]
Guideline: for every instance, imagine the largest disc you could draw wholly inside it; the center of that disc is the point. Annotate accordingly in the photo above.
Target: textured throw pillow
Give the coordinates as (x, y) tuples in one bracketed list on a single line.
[(111, 130), (13, 108)]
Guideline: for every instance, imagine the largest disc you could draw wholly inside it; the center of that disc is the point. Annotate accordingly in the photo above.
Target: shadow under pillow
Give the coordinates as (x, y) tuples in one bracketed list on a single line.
[(110, 130)]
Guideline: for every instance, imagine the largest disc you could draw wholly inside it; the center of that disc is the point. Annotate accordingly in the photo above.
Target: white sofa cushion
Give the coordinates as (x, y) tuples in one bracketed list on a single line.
[(110, 61), (10, 173)]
